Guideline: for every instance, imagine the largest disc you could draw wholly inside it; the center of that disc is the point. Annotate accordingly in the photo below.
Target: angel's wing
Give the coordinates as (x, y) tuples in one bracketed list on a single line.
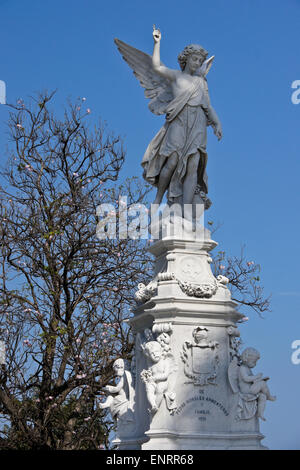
[(157, 88), (233, 370), (173, 367), (205, 67)]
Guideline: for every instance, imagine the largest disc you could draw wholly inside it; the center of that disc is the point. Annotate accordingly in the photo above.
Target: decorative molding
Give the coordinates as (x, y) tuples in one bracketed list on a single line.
[(166, 276), (144, 293), (198, 290)]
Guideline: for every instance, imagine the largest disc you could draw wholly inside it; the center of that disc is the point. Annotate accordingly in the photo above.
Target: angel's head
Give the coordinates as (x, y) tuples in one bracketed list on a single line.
[(118, 367), (250, 357), (194, 55), (153, 350)]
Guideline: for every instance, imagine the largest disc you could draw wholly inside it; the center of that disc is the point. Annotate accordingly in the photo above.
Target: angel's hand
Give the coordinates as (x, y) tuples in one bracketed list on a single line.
[(218, 131), (257, 377), (156, 34)]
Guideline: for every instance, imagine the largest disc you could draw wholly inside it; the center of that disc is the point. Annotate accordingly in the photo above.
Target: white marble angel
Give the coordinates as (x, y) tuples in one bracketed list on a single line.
[(176, 158), (160, 375), (252, 389), (121, 400), (156, 377)]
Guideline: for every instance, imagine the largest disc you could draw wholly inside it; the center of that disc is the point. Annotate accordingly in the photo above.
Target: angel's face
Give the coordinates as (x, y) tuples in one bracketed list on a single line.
[(155, 353), (193, 62), (118, 368), (251, 361)]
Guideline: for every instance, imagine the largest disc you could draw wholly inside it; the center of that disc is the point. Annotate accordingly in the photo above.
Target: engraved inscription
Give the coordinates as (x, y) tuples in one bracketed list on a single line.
[(205, 399), (202, 413)]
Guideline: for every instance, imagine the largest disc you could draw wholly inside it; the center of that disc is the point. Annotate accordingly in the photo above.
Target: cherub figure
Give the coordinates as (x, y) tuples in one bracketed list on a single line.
[(176, 158), (253, 389), (156, 377), (121, 399)]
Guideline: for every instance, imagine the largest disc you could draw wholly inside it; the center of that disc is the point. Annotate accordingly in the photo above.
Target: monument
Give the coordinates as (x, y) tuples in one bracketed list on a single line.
[(189, 386)]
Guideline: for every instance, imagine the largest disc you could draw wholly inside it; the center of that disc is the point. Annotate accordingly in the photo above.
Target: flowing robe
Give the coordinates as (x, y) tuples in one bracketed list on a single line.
[(184, 132)]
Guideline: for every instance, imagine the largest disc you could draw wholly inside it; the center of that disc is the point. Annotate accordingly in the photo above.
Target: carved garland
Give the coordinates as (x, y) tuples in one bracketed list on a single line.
[(207, 290), (198, 290)]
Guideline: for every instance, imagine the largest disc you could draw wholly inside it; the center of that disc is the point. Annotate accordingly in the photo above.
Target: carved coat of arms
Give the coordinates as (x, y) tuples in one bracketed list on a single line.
[(200, 358)]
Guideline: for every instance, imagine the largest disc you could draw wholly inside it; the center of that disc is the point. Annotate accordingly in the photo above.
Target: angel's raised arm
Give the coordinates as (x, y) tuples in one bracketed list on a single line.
[(157, 66)]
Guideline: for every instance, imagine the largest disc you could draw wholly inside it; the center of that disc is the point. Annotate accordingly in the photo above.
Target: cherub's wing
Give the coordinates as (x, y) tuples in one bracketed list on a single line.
[(233, 371), (173, 367), (129, 385), (157, 88)]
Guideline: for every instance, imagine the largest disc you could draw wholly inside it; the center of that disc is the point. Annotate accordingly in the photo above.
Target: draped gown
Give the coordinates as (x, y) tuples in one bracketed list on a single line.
[(184, 132)]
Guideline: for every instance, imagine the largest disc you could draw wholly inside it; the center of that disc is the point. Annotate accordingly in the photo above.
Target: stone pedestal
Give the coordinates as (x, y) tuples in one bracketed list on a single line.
[(190, 314)]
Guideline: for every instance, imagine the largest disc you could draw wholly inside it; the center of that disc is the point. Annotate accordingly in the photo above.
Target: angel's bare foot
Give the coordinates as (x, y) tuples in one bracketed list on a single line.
[(106, 403), (154, 409), (272, 398)]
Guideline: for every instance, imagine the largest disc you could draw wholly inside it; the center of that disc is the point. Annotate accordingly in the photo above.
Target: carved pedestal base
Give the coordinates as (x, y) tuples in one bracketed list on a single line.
[(189, 373)]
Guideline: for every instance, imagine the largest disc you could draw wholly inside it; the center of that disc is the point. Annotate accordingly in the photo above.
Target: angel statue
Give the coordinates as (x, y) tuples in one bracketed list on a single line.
[(158, 377), (121, 400), (175, 159)]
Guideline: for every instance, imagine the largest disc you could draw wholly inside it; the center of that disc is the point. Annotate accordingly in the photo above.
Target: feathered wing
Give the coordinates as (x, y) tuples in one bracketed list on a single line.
[(205, 67), (157, 88), (233, 371), (173, 367)]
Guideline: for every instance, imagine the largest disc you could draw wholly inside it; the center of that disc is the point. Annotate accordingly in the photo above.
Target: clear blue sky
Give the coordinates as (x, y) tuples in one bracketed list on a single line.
[(253, 172)]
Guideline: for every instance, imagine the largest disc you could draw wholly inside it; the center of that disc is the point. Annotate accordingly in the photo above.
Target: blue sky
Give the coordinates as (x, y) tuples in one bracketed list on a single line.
[(253, 172)]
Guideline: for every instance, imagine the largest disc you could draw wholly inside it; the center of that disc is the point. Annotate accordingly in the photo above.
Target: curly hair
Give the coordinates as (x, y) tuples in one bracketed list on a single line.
[(118, 362), (149, 345), (249, 352), (189, 50)]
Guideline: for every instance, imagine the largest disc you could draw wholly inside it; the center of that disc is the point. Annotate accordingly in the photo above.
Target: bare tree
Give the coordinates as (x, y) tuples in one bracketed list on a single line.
[(64, 293), (244, 278)]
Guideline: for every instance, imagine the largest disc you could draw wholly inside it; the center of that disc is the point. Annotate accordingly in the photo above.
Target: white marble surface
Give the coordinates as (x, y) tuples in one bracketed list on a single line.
[(202, 338)]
